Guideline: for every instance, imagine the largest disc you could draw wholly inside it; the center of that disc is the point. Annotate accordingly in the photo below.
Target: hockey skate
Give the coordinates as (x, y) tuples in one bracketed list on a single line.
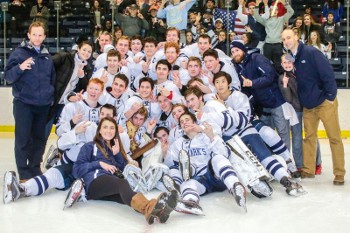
[(76, 193), (187, 207), (170, 184), (185, 165), (12, 189), (152, 176), (166, 203), (293, 171), (52, 157), (261, 189), (239, 194), (135, 178), (292, 187)]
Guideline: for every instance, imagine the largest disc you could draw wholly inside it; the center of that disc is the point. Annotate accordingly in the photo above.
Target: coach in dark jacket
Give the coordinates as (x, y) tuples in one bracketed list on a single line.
[(260, 79), (31, 72)]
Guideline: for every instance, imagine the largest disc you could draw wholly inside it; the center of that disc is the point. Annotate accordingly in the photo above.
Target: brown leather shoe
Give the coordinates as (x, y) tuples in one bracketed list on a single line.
[(338, 180), (306, 175)]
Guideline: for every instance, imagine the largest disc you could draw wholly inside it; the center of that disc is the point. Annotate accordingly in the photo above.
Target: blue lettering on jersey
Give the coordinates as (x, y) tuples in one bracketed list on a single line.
[(197, 151)]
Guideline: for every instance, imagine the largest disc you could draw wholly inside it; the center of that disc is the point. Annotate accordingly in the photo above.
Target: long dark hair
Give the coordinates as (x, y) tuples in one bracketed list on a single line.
[(100, 142)]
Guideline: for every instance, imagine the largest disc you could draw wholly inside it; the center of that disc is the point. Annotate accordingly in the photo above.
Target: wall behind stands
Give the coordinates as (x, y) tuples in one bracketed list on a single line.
[(7, 121)]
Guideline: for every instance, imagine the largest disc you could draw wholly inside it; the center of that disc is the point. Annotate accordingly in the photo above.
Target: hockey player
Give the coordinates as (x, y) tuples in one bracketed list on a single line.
[(106, 74), (162, 134), (99, 164), (213, 64), (59, 177), (195, 70), (207, 169), (204, 43), (235, 120), (239, 103), (145, 151), (83, 110), (173, 56), (162, 84), (150, 49), (144, 98), (172, 35), (134, 58), (177, 131), (166, 118), (119, 94)]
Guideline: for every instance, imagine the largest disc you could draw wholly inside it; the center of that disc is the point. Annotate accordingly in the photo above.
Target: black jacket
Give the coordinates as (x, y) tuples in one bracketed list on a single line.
[(64, 65)]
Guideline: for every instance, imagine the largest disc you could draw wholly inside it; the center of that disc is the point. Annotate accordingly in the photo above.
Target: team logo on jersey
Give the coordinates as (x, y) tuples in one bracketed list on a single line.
[(186, 145), (94, 115), (164, 124), (147, 105), (197, 152)]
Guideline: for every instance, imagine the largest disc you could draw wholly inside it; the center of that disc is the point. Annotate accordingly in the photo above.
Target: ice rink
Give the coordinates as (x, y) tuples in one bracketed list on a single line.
[(325, 209)]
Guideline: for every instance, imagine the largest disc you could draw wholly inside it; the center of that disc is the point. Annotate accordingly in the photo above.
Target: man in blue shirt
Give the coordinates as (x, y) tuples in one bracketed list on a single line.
[(176, 14)]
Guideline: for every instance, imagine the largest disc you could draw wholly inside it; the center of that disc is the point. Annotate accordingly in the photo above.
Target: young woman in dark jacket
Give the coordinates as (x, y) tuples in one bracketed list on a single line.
[(73, 71), (99, 163)]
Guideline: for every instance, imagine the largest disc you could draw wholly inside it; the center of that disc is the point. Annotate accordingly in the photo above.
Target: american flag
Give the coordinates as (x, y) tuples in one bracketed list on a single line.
[(222, 13)]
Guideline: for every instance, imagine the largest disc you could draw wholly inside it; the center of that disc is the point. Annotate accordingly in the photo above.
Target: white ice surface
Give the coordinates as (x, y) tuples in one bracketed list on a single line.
[(325, 209)]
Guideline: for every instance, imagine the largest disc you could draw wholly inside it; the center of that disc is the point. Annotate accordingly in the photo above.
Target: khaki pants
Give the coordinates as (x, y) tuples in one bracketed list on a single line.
[(328, 113)]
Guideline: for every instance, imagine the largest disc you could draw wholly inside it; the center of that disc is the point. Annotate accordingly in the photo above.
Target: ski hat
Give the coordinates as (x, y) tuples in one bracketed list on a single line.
[(289, 57), (219, 19), (238, 44)]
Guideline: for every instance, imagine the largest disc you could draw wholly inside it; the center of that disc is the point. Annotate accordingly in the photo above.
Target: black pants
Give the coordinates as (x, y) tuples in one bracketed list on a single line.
[(30, 121), (274, 52), (111, 188)]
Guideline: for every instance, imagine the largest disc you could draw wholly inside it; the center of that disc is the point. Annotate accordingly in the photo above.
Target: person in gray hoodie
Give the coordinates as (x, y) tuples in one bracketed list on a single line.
[(274, 26)]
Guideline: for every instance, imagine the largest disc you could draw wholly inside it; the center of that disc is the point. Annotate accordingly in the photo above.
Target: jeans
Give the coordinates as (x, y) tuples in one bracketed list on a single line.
[(30, 121), (276, 119), (297, 143)]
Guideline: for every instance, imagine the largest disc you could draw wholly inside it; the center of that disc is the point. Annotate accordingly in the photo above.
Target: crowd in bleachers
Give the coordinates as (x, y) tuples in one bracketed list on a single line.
[(89, 18)]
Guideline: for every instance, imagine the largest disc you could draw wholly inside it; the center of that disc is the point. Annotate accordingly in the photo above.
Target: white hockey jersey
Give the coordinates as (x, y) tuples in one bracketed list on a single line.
[(118, 103), (200, 150), (102, 71), (70, 109)]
